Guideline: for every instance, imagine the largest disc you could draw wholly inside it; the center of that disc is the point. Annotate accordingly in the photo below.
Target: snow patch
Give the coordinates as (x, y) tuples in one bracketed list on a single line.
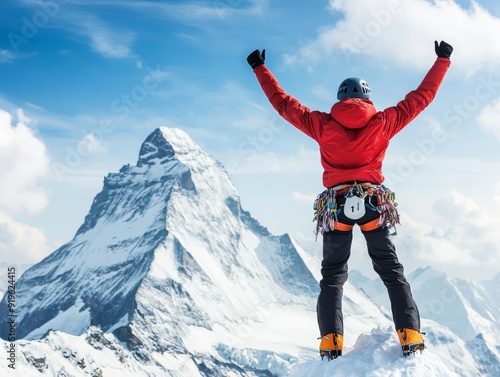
[(377, 354), (75, 320)]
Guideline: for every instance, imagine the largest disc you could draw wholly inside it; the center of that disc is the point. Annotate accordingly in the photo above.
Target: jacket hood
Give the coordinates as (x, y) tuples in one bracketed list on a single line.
[(353, 113)]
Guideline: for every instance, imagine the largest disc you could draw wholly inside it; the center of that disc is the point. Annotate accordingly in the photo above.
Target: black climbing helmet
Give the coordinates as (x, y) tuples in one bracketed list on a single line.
[(353, 87)]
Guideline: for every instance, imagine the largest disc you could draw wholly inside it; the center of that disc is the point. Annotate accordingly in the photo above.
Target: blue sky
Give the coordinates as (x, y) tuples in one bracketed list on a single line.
[(85, 82)]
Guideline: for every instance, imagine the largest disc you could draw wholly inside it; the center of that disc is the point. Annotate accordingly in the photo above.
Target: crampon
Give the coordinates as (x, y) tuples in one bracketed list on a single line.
[(411, 349), (411, 341), (331, 346)]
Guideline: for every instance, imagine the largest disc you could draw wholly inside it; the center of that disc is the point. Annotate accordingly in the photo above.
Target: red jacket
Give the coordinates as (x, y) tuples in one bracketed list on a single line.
[(353, 137)]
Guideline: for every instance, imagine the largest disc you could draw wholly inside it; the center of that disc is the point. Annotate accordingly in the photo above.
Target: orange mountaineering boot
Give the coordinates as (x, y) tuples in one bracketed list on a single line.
[(331, 345), (411, 341)]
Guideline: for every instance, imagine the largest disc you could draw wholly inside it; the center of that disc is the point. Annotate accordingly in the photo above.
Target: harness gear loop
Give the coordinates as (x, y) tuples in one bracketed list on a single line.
[(326, 210)]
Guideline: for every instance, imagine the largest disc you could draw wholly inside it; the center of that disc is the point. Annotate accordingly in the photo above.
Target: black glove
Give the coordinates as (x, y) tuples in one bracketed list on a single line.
[(443, 50), (256, 58)]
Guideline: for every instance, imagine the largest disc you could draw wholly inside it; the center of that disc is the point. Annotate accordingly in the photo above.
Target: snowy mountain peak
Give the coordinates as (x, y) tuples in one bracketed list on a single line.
[(427, 273), (165, 253), (163, 144)]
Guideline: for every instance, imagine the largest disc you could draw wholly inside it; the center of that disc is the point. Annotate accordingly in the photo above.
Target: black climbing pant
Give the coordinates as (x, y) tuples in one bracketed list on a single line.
[(336, 252)]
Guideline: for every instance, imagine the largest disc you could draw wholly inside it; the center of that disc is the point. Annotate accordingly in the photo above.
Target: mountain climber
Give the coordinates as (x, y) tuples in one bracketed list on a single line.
[(353, 138)]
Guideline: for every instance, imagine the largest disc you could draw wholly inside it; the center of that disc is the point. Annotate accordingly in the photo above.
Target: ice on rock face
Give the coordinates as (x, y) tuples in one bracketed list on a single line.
[(155, 146)]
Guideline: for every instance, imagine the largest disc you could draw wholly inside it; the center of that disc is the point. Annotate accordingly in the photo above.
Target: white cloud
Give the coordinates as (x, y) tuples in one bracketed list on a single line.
[(462, 209), (304, 198), (23, 160), (464, 242), (19, 243), (403, 32), (7, 56), (107, 42), (91, 144), (260, 158), (104, 39), (188, 11), (488, 118), (24, 119)]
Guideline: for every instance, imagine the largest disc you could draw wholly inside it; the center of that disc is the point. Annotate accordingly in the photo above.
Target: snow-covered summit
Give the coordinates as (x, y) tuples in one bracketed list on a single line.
[(165, 143), (166, 255)]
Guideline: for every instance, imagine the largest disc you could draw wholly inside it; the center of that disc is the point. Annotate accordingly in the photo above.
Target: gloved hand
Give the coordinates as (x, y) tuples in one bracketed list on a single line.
[(256, 58), (443, 50)]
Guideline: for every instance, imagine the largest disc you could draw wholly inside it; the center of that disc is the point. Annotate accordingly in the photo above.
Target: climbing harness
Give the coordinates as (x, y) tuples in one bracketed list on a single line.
[(326, 210)]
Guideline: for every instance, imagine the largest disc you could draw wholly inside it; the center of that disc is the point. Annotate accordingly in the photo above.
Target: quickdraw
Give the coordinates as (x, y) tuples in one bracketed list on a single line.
[(326, 210)]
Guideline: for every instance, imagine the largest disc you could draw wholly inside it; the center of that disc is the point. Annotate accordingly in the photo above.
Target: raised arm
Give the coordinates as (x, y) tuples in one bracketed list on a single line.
[(397, 117), (287, 106)]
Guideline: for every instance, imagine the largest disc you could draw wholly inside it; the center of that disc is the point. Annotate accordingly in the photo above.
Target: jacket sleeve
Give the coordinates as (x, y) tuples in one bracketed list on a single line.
[(309, 122), (397, 117)]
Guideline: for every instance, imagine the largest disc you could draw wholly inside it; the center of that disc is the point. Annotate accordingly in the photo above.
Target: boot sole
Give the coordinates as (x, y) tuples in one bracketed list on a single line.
[(330, 354), (409, 349)]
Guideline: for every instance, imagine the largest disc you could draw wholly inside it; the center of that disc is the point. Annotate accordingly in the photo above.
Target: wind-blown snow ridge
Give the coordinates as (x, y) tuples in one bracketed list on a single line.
[(378, 354)]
